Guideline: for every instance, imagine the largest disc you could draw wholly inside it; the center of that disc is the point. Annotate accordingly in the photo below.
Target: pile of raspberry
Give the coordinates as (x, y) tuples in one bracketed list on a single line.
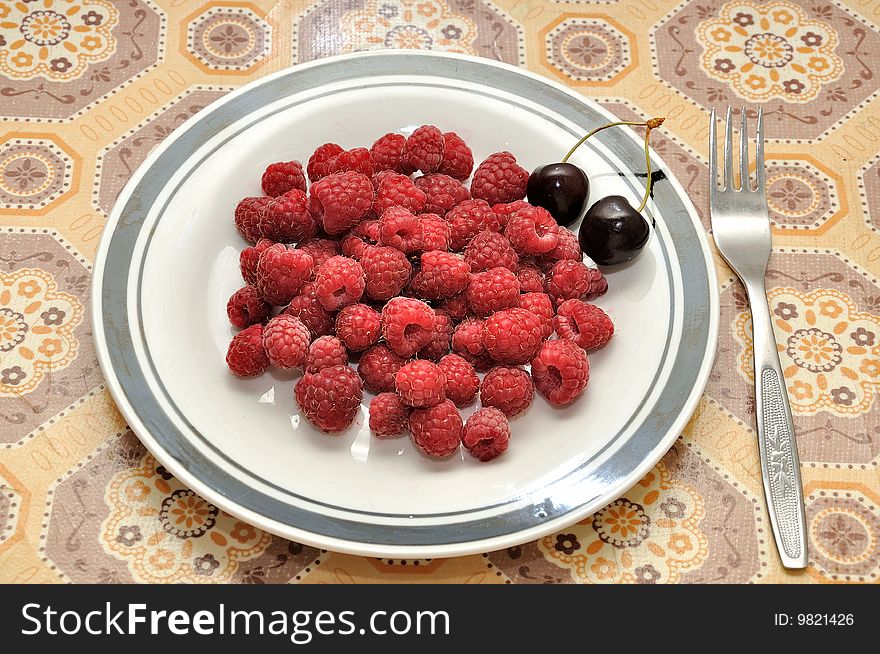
[(386, 259)]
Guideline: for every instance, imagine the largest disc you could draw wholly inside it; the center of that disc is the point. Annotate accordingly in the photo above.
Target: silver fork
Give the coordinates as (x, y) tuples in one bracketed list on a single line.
[(741, 227)]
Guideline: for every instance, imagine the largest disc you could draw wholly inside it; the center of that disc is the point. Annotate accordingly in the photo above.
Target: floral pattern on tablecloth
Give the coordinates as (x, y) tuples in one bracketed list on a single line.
[(770, 50), (83, 107), (649, 536), (409, 25), (167, 533), (829, 350), (36, 329), (845, 531), (59, 38)]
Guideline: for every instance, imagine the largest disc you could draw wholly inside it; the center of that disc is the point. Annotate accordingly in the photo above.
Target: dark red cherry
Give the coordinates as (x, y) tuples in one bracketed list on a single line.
[(561, 188), (613, 231)]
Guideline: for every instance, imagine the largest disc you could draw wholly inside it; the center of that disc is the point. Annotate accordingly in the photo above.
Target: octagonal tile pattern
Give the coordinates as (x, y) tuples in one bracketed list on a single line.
[(37, 171), (803, 194), (228, 37), (589, 49), (843, 523)]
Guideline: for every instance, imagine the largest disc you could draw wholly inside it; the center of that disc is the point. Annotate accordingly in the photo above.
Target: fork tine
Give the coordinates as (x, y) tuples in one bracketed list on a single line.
[(744, 183), (759, 151), (728, 154), (713, 146)]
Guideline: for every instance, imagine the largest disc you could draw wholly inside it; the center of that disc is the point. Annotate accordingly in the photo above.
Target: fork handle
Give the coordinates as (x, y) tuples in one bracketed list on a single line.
[(780, 467)]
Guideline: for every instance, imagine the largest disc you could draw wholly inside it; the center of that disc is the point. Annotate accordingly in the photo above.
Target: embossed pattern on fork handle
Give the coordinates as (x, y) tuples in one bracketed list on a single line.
[(780, 466)]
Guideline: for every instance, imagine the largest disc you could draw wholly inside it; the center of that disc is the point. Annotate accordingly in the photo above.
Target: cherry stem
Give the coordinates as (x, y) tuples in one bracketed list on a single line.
[(649, 178), (649, 124), (596, 131)]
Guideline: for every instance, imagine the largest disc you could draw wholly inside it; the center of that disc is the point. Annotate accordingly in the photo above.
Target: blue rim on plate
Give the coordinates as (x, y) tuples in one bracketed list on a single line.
[(172, 438)]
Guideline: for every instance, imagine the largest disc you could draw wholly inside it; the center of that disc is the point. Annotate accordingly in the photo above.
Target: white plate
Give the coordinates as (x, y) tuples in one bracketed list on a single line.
[(168, 261)]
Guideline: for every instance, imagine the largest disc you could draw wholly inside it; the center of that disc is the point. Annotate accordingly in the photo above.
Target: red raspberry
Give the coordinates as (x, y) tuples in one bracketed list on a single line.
[(330, 398), (442, 274), (458, 308), (357, 160), (389, 416), (508, 389), (287, 219), (398, 190), (368, 230), (434, 233), (319, 162), (467, 342), (585, 324), (246, 356), (441, 337), (399, 228), (339, 282), (309, 310), (532, 231), (358, 327), (353, 247), (561, 371), (247, 307), (499, 179), (420, 383), (381, 176), (386, 271), (326, 352), (436, 431), (442, 192), (341, 200), (468, 337), (424, 149), (574, 280), (531, 279), (320, 249), (505, 210), (283, 176), (467, 219), (493, 290), (542, 306), (486, 434), (567, 247), (282, 272), (247, 217), (250, 257), (286, 340), (462, 382), (378, 367), (598, 285), (387, 154), (513, 335), (407, 325), (458, 160), (490, 250)]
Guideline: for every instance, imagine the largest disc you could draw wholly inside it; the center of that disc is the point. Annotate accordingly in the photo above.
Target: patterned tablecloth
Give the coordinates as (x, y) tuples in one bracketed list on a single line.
[(88, 88)]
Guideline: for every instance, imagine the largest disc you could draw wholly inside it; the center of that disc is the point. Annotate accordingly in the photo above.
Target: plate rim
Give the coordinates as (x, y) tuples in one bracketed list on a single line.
[(289, 531)]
